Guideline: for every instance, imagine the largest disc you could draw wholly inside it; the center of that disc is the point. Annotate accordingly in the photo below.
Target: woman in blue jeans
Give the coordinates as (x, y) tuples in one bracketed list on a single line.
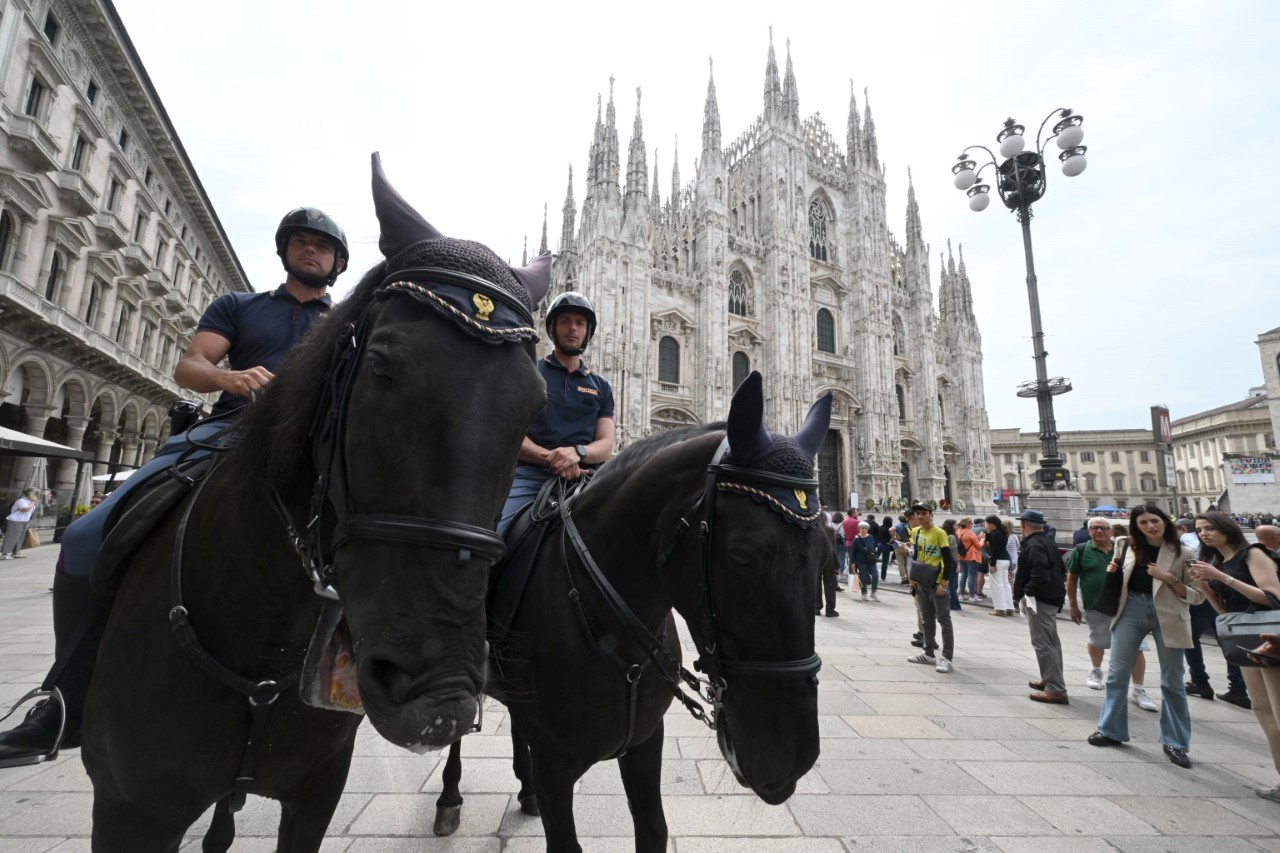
[(1155, 599)]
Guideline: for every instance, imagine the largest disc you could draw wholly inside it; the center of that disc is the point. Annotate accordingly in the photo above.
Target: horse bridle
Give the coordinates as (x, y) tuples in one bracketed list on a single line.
[(329, 433), (717, 669)]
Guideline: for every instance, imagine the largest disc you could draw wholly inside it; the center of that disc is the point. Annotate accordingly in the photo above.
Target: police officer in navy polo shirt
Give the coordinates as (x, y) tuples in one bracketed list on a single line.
[(575, 429), (253, 332)]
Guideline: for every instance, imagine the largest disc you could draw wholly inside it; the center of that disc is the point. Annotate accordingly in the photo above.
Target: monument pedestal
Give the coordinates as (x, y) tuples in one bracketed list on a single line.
[(1065, 509)]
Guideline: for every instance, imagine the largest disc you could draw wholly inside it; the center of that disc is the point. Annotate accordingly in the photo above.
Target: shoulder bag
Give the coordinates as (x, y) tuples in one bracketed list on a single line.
[(1108, 600), (1239, 634)]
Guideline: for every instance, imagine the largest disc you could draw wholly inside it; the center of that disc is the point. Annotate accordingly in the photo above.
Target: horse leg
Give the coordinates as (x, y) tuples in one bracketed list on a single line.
[(553, 778), (641, 769), (124, 827), (522, 765), (306, 812), (449, 805)]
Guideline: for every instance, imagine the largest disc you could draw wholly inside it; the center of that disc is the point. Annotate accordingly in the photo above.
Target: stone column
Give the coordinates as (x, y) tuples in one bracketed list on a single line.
[(66, 481), (102, 458), (148, 449), (129, 449), (36, 418)]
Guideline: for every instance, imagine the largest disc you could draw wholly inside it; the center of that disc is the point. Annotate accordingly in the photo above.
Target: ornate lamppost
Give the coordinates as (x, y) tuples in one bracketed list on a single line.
[(1020, 178)]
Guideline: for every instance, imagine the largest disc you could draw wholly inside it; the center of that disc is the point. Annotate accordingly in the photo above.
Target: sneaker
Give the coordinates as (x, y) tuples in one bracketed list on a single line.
[(944, 665), (1094, 681), (864, 596), (1240, 700), (1201, 689), (874, 597), (924, 657), (1139, 697), (918, 643)]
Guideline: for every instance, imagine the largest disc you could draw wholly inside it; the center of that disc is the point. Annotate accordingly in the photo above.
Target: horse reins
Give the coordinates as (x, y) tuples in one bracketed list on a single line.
[(711, 689)]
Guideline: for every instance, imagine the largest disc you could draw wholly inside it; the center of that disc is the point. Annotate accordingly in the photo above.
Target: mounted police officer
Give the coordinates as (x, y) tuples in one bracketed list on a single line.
[(253, 332), (574, 432)]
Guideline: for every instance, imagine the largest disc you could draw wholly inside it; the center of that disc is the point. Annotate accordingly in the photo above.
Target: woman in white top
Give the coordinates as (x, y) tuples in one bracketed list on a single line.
[(15, 527)]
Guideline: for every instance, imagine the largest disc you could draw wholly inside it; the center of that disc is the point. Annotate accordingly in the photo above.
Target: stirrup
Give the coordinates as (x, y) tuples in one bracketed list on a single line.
[(55, 695)]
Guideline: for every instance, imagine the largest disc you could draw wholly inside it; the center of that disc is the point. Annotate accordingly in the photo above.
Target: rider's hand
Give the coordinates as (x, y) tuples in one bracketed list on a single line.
[(245, 382), (563, 462)]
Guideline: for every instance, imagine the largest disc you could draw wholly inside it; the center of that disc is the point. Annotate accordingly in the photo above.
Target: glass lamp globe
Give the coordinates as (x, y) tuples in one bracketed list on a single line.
[(979, 201), (1070, 137), (1012, 145), (1073, 166), (965, 178)]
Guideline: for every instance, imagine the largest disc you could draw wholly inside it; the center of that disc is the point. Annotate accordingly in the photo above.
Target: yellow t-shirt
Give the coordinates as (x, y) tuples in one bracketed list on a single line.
[(929, 544)]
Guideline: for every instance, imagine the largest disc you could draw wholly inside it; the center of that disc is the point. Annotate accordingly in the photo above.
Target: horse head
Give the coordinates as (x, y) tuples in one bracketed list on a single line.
[(432, 389), (760, 568)]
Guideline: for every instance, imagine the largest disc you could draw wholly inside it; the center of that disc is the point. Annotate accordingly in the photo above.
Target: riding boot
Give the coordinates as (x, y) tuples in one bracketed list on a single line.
[(79, 619)]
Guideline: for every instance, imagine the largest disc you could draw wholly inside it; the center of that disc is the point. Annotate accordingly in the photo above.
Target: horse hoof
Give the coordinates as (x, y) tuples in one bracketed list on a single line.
[(447, 818), (529, 806)]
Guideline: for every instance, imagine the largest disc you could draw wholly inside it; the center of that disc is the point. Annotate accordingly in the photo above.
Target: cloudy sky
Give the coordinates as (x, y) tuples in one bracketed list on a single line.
[(1157, 267)]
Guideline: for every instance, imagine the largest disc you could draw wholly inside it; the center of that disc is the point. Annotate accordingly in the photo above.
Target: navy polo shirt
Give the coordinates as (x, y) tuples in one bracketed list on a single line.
[(262, 328), (575, 401)]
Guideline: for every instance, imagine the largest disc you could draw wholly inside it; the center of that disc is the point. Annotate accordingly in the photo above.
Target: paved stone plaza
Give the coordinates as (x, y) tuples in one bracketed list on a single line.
[(912, 761)]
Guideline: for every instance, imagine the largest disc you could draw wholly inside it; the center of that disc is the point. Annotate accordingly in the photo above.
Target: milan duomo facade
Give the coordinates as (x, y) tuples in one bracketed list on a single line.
[(778, 257)]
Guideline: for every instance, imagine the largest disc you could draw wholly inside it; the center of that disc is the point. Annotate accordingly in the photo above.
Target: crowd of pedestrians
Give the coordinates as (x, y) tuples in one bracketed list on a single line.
[(1155, 584)]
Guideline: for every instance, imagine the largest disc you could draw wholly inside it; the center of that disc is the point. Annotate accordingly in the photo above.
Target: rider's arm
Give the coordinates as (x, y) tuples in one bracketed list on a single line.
[(532, 453), (198, 369), (601, 447)]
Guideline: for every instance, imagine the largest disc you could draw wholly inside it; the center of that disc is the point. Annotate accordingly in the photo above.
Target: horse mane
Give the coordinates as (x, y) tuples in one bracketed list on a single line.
[(625, 464), (274, 431)]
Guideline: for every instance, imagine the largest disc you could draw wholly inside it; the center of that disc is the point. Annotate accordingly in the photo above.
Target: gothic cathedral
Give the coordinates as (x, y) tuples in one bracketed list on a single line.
[(778, 257)]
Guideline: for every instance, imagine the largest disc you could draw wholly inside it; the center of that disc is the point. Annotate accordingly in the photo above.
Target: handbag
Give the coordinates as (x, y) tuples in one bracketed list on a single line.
[(31, 539), (925, 574), (1108, 600), (1240, 633)]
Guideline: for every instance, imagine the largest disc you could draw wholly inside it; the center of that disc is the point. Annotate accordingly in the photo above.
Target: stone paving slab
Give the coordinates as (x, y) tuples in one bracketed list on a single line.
[(913, 761)]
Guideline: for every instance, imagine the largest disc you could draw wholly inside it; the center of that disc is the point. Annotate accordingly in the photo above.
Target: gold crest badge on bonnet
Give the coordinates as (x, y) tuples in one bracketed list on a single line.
[(484, 307)]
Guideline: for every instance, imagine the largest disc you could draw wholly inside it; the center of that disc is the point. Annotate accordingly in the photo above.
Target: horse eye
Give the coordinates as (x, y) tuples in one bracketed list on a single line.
[(378, 365)]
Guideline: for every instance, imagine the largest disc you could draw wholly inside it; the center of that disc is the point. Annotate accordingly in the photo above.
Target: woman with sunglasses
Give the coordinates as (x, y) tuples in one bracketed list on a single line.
[(1155, 598), (1236, 576)]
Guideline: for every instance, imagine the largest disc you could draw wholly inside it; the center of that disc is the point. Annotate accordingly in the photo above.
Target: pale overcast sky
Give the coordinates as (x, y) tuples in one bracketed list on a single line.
[(1157, 266)]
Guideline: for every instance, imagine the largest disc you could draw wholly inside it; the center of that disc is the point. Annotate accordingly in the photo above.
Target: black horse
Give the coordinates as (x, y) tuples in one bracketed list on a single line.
[(719, 522), (382, 454)]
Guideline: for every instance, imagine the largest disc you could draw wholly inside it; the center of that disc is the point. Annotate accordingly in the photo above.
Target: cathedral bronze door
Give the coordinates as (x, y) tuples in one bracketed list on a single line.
[(829, 471)]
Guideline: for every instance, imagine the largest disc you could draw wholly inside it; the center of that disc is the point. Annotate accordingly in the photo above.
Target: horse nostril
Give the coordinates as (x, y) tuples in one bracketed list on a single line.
[(392, 681)]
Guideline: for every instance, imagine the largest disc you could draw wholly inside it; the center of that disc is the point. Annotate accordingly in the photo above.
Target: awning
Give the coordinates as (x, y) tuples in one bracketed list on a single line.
[(15, 443)]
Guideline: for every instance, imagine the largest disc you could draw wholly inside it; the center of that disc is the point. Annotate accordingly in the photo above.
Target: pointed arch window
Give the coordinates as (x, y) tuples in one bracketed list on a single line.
[(53, 284), (902, 402), (899, 337), (741, 299), (6, 239), (826, 331), (669, 360), (741, 367), (817, 230), (942, 411)]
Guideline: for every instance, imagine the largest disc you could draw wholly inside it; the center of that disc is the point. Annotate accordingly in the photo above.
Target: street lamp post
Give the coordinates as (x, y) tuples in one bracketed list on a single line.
[(1021, 179)]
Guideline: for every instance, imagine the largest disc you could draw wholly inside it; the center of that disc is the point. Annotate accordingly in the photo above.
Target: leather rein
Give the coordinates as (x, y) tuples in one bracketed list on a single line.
[(717, 669)]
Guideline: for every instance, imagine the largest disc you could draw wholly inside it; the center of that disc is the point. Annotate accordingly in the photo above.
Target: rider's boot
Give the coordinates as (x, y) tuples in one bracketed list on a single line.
[(79, 618)]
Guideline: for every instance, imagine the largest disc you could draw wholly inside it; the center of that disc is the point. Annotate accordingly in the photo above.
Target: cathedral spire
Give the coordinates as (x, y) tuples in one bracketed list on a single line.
[(964, 289), (637, 160), (524, 254), (914, 229), (790, 94), (710, 117), (869, 138), (772, 88), (610, 158), (570, 213), (853, 140), (593, 156), (655, 198), (542, 246), (675, 177)]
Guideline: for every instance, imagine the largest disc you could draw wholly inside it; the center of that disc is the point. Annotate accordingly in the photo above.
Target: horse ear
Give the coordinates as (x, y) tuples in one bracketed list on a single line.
[(400, 224), (748, 439), (536, 277), (815, 426)]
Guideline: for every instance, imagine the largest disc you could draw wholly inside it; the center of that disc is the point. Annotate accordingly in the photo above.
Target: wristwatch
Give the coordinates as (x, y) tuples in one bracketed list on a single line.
[(582, 452)]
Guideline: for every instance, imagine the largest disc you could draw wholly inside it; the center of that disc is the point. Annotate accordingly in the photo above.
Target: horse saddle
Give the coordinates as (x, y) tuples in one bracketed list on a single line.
[(510, 575), (139, 514)]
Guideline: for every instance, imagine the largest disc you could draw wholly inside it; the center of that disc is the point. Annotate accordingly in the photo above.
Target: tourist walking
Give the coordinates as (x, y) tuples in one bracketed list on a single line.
[(1042, 585), (1155, 599), (15, 525), (970, 561), (1237, 577), (998, 571), (884, 541), (931, 548), (862, 557)]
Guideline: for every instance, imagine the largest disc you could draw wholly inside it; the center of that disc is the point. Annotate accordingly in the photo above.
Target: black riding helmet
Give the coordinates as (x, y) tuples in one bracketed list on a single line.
[(579, 304), (318, 222)]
